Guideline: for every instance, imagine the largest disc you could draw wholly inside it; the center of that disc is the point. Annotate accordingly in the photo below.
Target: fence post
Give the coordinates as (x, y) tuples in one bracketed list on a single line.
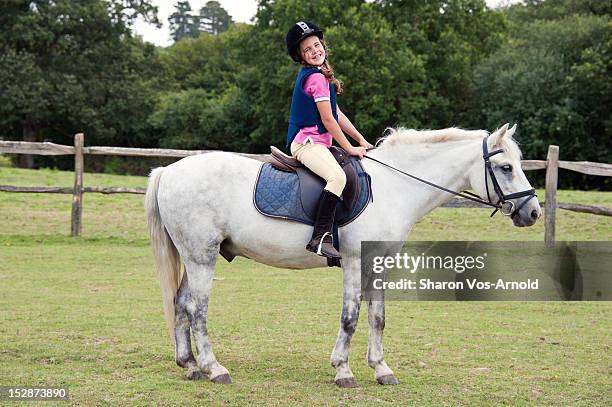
[(552, 175), (77, 195)]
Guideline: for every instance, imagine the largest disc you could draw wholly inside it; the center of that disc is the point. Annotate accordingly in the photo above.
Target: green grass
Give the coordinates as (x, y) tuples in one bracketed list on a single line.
[(4, 161), (86, 313)]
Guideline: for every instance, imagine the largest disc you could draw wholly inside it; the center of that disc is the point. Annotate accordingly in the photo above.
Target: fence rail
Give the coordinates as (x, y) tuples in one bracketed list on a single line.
[(47, 148), (551, 165), (68, 190)]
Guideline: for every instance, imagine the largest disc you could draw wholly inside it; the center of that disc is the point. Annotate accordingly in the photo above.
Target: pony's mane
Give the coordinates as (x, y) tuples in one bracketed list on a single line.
[(403, 135)]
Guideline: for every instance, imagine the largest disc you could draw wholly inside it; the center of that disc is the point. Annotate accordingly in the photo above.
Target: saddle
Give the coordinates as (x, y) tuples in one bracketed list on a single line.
[(286, 189)]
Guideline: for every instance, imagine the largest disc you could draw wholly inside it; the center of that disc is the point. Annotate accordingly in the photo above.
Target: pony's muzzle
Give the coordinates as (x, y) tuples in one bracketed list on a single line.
[(528, 214)]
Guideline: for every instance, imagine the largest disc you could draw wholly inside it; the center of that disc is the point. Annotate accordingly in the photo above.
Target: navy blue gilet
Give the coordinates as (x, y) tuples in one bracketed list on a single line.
[(304, 110)]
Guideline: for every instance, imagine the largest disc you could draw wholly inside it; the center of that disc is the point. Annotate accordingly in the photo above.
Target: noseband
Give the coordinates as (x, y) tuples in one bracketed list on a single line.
[(503, 204)]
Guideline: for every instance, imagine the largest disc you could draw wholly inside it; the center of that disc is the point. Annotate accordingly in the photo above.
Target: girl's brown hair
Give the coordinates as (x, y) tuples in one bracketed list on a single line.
[(326, 69)]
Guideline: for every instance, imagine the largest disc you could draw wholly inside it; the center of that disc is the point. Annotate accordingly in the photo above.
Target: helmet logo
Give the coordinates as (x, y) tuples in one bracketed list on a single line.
[(304, 27)]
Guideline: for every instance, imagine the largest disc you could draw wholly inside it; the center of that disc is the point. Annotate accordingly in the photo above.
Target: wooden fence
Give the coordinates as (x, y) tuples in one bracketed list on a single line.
[(551, 165)]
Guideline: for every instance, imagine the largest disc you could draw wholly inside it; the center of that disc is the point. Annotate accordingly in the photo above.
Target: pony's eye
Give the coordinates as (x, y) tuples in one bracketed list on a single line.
[(506, 168)]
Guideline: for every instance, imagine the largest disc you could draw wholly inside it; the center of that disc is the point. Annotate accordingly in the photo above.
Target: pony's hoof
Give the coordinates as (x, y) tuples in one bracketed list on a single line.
[(222, 379), (347, 383), (195, 374), (387, 379)]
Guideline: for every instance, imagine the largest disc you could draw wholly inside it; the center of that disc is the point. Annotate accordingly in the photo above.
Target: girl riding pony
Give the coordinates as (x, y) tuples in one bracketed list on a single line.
[(315, 119)]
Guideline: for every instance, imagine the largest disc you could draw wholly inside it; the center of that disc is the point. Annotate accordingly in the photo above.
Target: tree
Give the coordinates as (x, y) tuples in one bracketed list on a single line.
[(451, 37), (209, 62), (182, 23), (206, 105), (553, 78), (125, 12), (197, 119), (213, 18), (530, 10), (69, 66)]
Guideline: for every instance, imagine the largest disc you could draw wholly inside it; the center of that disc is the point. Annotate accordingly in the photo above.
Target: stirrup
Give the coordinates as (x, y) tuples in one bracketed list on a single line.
[(319, 252), (318, 248)]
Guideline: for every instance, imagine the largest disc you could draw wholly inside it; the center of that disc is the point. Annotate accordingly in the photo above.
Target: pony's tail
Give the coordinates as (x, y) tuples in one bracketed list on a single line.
[(167, 259)]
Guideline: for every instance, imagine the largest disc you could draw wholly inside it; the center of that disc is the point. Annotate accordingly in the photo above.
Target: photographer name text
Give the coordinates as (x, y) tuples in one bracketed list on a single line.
[(470, 284)]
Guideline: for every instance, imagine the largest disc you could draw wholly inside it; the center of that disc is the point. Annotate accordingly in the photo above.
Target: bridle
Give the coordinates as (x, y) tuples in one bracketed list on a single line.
[(503, 204)]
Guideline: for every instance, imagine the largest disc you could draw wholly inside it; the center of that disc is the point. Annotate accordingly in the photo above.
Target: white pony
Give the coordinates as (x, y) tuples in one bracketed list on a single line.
[(204, 203)]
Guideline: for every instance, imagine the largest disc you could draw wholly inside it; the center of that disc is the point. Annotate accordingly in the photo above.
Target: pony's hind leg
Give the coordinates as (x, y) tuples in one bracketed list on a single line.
[(376, 319), (182, 333), (200, 284)]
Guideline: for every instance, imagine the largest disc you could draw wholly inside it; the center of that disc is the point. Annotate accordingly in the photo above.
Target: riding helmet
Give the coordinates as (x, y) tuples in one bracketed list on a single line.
[(297, 33)]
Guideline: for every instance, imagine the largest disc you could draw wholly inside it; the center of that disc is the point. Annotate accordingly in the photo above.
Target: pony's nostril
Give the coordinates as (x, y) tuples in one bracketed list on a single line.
[(535, 214)]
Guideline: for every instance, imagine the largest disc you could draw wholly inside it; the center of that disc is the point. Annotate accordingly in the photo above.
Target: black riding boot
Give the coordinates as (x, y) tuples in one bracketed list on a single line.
[(321, 242)]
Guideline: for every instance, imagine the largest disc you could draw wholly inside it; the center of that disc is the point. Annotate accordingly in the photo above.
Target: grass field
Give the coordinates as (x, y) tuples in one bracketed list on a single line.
[(86, 313)]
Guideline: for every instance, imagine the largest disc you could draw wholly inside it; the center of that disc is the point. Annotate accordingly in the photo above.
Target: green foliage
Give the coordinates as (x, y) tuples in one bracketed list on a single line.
[(72, 66), (23, 88), (182, 23), (205, 106), (213, 18), (198, 119), (125, 12), (451, 37), (553, 79), (530, 10), (210, 62), (383, 79)]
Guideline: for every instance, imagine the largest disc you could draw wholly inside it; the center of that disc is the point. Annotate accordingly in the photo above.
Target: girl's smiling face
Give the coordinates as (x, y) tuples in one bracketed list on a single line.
[(312, 51)]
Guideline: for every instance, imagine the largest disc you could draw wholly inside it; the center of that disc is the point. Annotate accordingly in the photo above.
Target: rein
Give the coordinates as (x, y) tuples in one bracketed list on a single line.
[(504, 205)]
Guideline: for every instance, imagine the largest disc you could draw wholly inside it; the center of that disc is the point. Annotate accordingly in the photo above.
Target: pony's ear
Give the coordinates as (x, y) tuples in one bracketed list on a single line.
[(499, 133), (511, 131)]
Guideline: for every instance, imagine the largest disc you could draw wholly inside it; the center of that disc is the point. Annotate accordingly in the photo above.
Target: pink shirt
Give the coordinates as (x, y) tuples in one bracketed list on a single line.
[(317, 87)]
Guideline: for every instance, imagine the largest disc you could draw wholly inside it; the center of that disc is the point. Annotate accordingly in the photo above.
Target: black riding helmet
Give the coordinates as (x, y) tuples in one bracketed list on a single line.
[(297, 33)]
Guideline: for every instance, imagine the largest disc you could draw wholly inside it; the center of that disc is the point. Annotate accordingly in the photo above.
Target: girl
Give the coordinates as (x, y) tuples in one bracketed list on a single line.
[(314, 120)]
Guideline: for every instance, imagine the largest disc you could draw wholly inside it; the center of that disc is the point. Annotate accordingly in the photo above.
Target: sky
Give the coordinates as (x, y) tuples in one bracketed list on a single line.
[(240, 10)]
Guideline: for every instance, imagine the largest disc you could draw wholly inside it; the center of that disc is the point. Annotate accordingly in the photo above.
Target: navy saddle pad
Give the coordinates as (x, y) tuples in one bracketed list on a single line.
[(295, 195)]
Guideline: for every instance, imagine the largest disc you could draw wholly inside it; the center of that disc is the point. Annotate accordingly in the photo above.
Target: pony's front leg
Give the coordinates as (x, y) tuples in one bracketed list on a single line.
[(376, 360), (351, 301), (200, 284)]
